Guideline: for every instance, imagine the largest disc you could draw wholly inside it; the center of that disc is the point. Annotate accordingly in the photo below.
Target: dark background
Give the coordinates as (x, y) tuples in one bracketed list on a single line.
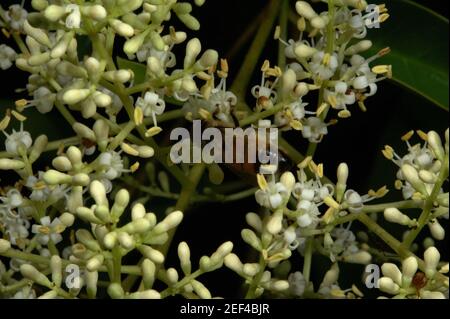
[(358, 141)]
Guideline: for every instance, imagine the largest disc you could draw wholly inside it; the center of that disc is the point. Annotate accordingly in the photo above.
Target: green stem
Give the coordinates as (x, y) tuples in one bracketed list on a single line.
[(179, 285), (283, 33), (308, 260), (262, 115), (251, 293)]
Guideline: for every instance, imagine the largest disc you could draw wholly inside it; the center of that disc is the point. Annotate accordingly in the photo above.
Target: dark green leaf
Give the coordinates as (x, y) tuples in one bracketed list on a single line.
[(418, 38)]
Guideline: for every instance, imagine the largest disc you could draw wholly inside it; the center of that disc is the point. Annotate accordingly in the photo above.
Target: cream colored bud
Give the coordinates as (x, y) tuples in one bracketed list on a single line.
[(84, 131), (250, 238), (138, 211), (254, 221), (39, 59), (221, 252), (101, 99), (435, 143), (154, 255), (110, 240), (201, 290), (123, 29), (94, 263), (409, 269), (145, 151), (154, 66), (52, 177), (39, 5), (391, 270), (171, 221), (37, 34), (5, 245), (115, 291), (193, 49), (305, 10), (67, 219), (54, 12), (412, 176), (233, 262), (304, 51), (319, 22), (39, 146), (96, 12), (56, 267), (75, 96), (279, 285), (288, 180), (427, 177), (125, 240), (251, 269), (75, 156), (61, 47), (88, 215), (146, 294), (301, 89), (436, 229), (62, 163), (132, 45), (148, 273), (361, 257), (289, 81), (91, 283), (274, 226), (184, 254), (208, 59), (393, 215), (92, 65), (387, 285), (98, 193), (121, 201), (432, 258), (172, 276), (189, 21), (361, 46), (30, 272), (331, 276)]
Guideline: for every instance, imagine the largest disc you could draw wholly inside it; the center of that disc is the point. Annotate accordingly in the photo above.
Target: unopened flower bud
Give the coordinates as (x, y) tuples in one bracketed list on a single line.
[(115, 291), (39, 146), (98, 193), (361, 257), (201, 290), (146, 294), (393, 215), (391, 270), (67, 219), (184, 254), (30, 272), (387, 285), (56, 267), (250, 238), (233, 262), (361, 46), (435, 143), (125, 240), (412, 176), (122, 28), (5, 245), (208, 59), (62, 163), (431, 257), (94, 263), (52, 177), (436, 229), (275, 225), (171, 221), (304, 51), (154, 255), (75, 96), (409, 269)]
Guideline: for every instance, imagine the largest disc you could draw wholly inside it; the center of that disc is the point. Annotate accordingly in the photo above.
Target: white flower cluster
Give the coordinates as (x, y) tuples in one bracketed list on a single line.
[(420, 177)]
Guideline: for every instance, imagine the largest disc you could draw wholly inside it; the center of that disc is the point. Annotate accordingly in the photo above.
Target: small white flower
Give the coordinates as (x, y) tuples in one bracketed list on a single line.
[(273, 196), (7, 56), (16, 139), (151, 105), (297, 284), (48, 230), (314, 129), (324, 65), (43, 100), (73, 20), (340, 98), (16, 16), (113, 165)]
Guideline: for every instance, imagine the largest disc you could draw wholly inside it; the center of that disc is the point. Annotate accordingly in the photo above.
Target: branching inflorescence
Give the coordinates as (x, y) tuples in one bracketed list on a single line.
[(67, 229)]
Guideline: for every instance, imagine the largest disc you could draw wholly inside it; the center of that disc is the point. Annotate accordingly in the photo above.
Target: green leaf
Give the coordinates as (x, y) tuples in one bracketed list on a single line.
[(139, 69), (418, 38)]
